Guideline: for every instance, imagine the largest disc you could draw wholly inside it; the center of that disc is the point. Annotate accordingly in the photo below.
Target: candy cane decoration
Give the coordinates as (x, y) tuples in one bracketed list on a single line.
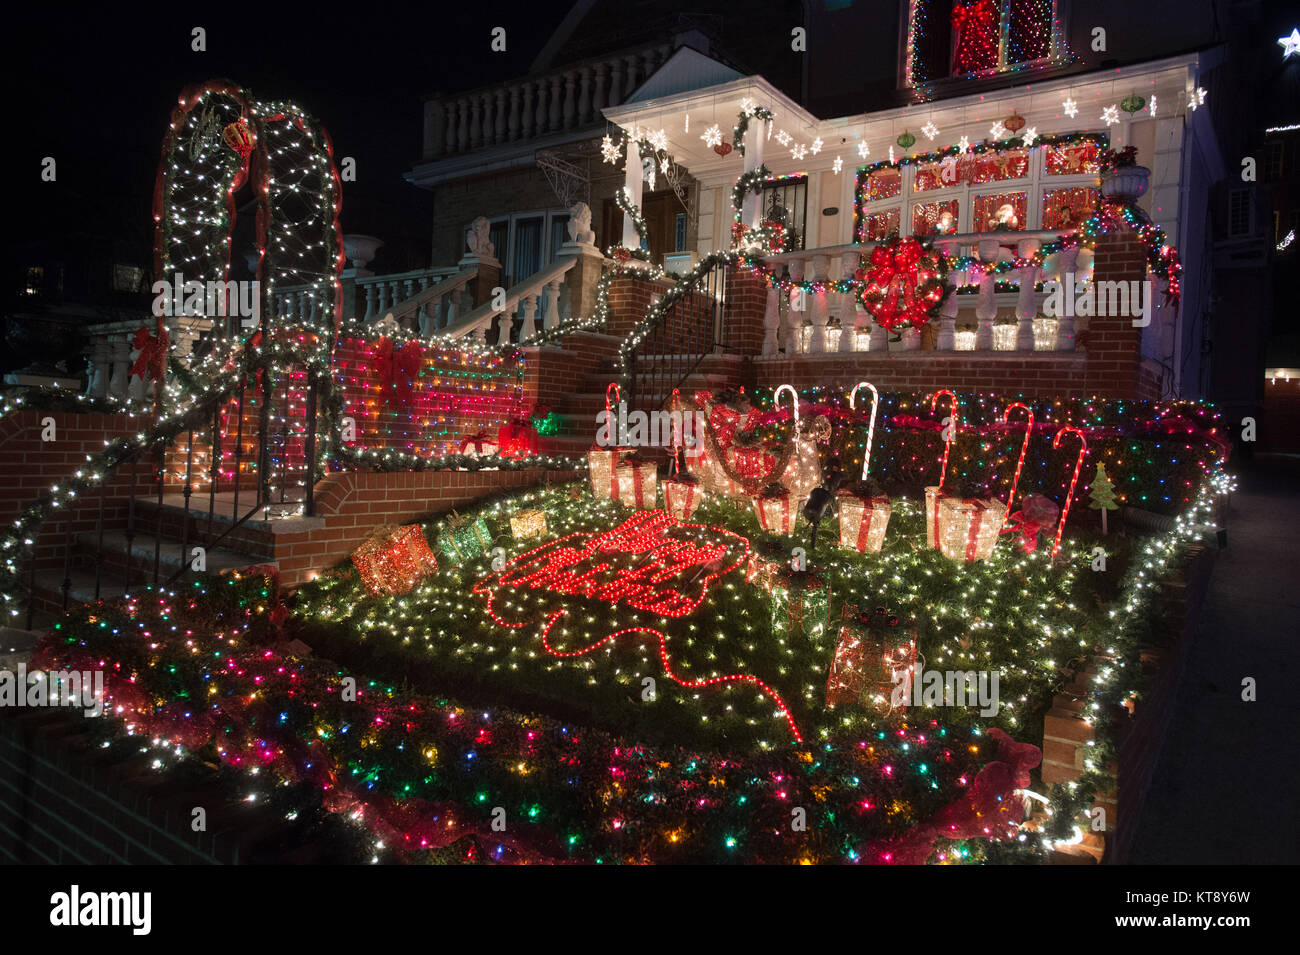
[(1078, 464), (794, 400), (871, 428), (611, 416), (676, 425), (956, 423), (1029, 430)]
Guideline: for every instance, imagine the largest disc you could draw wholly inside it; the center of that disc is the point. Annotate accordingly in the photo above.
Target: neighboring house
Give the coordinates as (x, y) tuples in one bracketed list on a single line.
[(882, 81)]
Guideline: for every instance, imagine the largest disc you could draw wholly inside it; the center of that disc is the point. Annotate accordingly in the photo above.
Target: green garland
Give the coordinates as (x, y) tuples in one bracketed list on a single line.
[(742, 125)]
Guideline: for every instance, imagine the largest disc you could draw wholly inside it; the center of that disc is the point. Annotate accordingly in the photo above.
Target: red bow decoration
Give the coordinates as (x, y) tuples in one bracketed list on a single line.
[(397, 368), (153, 351), (1037, 513), (903, 284)]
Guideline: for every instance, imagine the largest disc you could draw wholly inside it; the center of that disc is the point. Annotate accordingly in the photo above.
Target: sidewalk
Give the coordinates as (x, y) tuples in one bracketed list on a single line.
[(1227, 786)]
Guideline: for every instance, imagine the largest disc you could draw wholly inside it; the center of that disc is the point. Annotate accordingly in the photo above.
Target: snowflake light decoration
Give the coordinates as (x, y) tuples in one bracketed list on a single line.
[(1110, 115), (930, 131), (712, 136), (609, 150), (997, 130), (784, 138), (1070, 107), (799, 152), (964, 144), (863, 149), (816, 145), (837, 165), (1151, 106), (1030, 135)]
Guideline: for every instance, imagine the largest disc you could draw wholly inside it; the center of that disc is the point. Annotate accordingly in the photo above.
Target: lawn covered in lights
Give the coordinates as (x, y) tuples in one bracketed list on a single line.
[(730, 673)]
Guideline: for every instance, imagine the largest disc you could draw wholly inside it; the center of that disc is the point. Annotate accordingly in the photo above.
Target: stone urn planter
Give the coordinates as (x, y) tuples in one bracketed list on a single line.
[(1127, 183)]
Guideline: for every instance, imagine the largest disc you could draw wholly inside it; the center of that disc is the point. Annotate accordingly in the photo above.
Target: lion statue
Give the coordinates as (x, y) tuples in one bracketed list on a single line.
[(477, 238), (580, 230)]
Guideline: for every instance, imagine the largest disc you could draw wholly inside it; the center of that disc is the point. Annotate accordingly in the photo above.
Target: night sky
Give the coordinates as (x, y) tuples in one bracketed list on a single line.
[(97, 88)]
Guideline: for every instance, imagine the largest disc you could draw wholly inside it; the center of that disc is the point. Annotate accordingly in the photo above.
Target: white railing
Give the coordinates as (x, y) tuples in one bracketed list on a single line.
[(539, 302), (110, 349), (377, 295), (562, 100), (833, 321)]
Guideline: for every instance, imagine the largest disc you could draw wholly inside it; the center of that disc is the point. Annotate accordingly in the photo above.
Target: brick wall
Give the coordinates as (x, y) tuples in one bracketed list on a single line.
[(1033, 374), (1112, 344), (353, 503), (29, 466), (1142, 734), (62, 802)]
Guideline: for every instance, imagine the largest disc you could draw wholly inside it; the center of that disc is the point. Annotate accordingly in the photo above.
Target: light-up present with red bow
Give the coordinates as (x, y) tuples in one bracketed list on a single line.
[(1037, 513), (682, 495), (863, 521), (393, 560), (874, 662), (637, 481), (517, 439), (776, 511), (800, 602), (478, 445), (969, 527), (604, 455)]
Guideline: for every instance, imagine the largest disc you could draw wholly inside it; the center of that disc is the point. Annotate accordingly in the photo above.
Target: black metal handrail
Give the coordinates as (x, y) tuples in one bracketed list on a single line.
[(691, 325)]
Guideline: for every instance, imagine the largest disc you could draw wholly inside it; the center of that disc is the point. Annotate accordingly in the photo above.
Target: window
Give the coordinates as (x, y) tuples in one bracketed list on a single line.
[(679, 232), (1271, 161), (128, 278), (1239, 213), (1011, 190), (523, 242), (34, 280), (955, 39), (786, 201)]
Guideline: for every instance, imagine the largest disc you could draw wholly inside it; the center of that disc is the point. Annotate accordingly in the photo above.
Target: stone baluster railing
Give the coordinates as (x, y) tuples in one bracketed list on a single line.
[(985, 321), (537, 297), (564, 100)]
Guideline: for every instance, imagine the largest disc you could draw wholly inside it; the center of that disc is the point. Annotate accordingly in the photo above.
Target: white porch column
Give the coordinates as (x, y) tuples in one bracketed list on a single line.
[(632, 183), (848, 305), (1026, 306), (755, 138)]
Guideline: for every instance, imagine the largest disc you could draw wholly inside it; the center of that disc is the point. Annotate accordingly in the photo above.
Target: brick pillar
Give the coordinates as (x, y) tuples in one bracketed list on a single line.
[(629, 300), (746, 304), (1112, 343)]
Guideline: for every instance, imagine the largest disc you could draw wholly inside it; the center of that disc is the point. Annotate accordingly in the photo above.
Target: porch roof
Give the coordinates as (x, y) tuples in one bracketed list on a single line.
[(1041, 104)]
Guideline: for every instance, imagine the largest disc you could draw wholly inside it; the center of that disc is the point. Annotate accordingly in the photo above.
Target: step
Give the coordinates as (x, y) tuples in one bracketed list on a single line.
[(140, 551), (48, 587)]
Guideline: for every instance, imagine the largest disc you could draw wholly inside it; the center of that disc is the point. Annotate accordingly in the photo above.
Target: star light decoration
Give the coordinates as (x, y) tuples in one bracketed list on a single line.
[(1070, 107), (997, 130), (1030, 135), (1290, 44), (930, 130), (863, 149), (1110, 115), (817, 145), (712, 136), (609, 150)]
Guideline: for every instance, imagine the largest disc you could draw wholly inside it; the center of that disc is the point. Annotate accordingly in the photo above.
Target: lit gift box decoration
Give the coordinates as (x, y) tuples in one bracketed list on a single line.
[(800, 603), (601, 463), (863, 521), (463, 539), (874, 662), (517, 439), (776, 512), (637, 482), (760, 571), (932, 496), (682, 495), (963, 339), (526, 524), (478, 445), (969, 527), (862, 338), (394, 559), (1004, 337)]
